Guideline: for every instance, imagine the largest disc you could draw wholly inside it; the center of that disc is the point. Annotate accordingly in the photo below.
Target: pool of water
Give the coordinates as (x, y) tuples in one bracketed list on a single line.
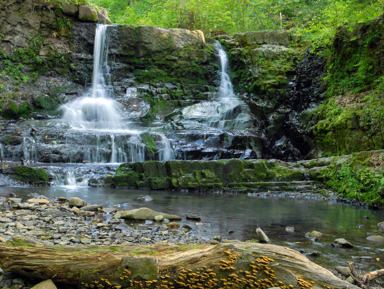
[(236, 216)]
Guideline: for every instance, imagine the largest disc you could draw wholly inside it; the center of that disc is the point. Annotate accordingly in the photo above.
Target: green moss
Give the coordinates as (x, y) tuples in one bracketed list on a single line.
[(150, 144), (31, 175)]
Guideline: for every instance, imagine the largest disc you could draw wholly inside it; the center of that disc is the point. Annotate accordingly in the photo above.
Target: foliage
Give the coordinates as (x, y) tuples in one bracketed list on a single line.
[(358, 180), (314, 20)]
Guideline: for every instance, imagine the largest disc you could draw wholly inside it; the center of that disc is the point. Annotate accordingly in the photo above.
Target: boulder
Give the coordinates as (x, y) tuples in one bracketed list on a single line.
[(376, 238), (381, 227), (342, 243), (70, 9), (314, 234), (144, 214), (103, 16), (88, 14), (76, 202), (261, 236), (47, 284)]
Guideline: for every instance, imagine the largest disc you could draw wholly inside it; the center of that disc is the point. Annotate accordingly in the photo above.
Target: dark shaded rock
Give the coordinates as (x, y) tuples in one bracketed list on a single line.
[(193, 218)]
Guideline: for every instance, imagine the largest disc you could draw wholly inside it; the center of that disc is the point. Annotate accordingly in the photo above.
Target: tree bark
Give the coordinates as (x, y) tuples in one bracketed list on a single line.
[(121, 265)]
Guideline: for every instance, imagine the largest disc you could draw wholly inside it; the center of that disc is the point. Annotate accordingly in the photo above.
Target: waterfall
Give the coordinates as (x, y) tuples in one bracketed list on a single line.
[(166, 152), (96, 109), (226, 86)]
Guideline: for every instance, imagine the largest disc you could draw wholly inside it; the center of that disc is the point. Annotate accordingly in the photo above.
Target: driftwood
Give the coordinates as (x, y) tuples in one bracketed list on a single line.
[(364, 280), (121, 265)]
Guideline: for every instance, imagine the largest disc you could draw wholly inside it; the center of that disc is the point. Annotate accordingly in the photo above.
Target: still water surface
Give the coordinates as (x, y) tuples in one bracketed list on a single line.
[(242, 214)]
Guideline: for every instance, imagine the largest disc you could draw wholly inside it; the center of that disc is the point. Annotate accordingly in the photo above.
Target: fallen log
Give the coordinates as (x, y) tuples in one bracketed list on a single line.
[(223, 265), (364, 280)]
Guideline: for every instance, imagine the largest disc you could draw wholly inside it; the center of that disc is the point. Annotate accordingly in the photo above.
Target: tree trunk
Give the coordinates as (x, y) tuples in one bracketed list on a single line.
[(213, 266)]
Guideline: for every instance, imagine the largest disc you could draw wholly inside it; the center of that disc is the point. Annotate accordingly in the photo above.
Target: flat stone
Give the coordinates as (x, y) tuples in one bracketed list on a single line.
[(376, 238), (39, 201), (144, 214), (47, 284), (92, 208)]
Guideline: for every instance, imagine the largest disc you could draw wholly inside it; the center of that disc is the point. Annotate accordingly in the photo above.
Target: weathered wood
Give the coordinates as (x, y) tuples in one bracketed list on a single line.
[(364, 280), (88, 264)]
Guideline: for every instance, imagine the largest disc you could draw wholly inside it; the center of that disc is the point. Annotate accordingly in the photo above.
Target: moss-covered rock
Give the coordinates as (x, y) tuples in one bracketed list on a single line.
[(205, 175), (28, 175), (88, 13)]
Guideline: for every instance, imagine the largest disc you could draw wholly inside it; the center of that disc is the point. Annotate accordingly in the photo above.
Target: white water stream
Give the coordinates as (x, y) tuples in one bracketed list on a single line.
[(98, 112)]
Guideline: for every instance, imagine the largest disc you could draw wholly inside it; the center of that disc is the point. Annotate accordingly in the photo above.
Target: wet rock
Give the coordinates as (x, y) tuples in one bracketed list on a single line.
[(173, 225), (39, 201), (47, 284), (194, 218), (159, 218), (381, 227), (187, 227), (345, 271), (145, 198), (261, 236), (342, 243), (376, 238), (144, 214), (76, 202), (315, 254), (315, 235), (290, 229), (93, 208), (350, 280)]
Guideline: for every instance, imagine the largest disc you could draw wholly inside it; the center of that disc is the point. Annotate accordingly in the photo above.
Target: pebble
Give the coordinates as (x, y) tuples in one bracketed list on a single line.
[(57, 222)]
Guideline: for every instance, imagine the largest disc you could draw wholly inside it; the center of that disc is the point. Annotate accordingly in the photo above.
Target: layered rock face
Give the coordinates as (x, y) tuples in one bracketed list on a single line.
[(279, 82)]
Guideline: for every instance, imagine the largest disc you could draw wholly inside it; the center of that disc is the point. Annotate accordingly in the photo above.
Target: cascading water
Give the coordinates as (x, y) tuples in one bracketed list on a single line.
[(226, 86), (96, 109), (98, 112), (227, 112)]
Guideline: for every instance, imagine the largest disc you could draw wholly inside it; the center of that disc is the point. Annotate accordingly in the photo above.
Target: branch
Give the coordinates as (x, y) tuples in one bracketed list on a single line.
[(363, 280)]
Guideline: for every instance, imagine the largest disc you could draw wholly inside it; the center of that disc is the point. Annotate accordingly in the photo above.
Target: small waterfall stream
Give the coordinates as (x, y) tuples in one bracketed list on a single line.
[(98, 113)]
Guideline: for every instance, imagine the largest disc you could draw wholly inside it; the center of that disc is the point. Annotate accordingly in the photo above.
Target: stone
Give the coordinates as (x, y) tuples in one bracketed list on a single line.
[(144, 214), (314, 234), (159, 218), (290, 229), (47, 284), (261, 236), (76, 202), (381, 227), (195, 218), (376, 238), (345, 271), (3, 240), (103, 18), (350, 280), (93, 208), (39, 201), (88, 14), (342, 243), (173, 225), (69, 9)]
